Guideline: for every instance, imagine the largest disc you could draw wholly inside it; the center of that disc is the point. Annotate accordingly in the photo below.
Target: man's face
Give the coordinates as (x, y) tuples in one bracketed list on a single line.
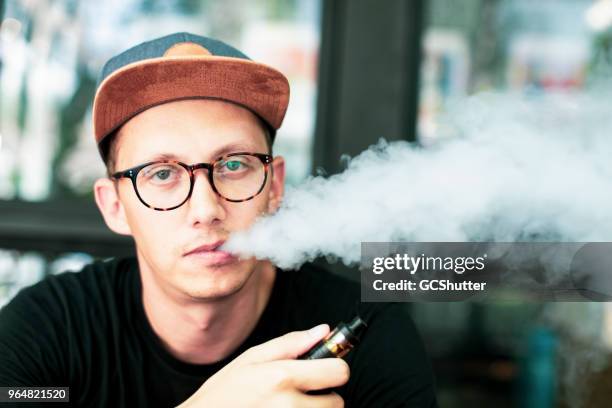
[(193, 131)]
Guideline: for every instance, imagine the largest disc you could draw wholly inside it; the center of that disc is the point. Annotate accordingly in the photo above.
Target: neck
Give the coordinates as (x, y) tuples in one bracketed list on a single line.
[(204, 332)]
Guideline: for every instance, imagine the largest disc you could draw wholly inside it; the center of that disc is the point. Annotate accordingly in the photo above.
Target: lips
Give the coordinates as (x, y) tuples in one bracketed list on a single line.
[(210, 255), (205, 248)]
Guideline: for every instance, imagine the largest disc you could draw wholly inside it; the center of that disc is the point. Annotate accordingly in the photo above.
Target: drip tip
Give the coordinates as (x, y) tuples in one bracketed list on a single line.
[(356, 328)]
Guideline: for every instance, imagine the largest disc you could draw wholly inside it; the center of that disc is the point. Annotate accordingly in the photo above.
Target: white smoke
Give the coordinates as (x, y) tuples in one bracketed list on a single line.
[(517, 167)]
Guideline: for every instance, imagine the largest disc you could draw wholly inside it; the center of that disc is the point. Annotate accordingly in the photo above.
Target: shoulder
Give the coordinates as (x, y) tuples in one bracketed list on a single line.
[(47, 325), (62, 298), (41, 326), (69, 287)]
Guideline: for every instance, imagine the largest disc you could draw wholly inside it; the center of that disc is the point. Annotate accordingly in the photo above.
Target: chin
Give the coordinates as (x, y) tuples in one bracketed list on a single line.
[(212, 285), (209, 293)]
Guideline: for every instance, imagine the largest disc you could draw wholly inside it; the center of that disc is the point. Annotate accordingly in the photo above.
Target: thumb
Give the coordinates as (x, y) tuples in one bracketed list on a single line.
[(288, 346)]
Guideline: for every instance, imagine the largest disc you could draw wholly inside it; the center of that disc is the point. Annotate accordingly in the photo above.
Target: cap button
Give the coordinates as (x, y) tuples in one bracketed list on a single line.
[(186, 49)]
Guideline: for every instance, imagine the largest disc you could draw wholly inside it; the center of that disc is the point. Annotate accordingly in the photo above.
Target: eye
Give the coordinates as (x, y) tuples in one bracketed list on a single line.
[(233, 165), (162, 174)]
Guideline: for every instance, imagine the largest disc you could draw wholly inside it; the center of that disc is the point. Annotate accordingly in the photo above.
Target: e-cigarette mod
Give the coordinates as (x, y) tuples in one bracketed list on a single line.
[(338, 342)]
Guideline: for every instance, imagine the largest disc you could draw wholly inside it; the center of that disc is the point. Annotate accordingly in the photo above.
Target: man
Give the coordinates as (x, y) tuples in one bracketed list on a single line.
[(185, 125)]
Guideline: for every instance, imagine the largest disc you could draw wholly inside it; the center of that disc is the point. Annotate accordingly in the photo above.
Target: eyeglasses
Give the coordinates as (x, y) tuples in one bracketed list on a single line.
[(167, 184)]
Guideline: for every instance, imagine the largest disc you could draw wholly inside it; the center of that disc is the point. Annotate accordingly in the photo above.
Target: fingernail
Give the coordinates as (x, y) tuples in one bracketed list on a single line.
[(318, 331)]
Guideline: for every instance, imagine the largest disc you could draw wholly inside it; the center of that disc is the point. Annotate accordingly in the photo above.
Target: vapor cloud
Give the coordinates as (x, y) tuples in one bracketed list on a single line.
[(507, 167)]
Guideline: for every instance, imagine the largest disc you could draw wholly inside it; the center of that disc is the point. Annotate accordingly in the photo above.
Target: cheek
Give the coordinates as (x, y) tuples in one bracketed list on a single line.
[(242, 215), (151, 229)]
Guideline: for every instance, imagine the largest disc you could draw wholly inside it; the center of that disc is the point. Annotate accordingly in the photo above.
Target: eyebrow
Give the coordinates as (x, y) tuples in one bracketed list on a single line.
[(230, 148)]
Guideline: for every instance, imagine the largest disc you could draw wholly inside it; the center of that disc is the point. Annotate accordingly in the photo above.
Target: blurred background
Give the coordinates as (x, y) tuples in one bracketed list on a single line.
[(359, 70)]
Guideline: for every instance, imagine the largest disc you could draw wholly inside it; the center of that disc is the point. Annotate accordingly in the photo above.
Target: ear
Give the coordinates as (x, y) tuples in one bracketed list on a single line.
[(110, 206), (277, 184)]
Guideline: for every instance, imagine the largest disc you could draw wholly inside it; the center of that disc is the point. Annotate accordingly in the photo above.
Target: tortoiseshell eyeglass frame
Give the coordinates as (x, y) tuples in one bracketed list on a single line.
[(132, 173)]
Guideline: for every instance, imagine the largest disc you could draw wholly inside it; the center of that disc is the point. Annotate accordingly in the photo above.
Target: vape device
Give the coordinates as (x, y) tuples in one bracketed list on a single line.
[(339, 341)]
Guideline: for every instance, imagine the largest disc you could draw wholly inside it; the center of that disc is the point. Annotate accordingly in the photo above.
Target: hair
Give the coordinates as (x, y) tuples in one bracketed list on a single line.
[(109, 146)]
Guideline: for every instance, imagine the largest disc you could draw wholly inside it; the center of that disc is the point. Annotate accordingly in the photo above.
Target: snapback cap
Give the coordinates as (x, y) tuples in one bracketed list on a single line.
[(184, 66)]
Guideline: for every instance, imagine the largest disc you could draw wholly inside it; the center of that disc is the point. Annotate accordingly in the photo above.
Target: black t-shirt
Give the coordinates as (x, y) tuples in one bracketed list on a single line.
[(88, 331)]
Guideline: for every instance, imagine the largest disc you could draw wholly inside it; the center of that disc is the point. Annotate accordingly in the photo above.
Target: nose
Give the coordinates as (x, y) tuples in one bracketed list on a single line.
[(204, 204)]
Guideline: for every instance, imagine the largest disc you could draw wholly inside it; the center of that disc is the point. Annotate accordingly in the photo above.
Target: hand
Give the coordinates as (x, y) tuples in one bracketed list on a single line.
[(268, 375)]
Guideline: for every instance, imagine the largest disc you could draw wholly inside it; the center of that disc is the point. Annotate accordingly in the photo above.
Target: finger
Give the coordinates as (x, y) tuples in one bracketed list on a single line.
[(308, 375), (331, 400), (288, 346)]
